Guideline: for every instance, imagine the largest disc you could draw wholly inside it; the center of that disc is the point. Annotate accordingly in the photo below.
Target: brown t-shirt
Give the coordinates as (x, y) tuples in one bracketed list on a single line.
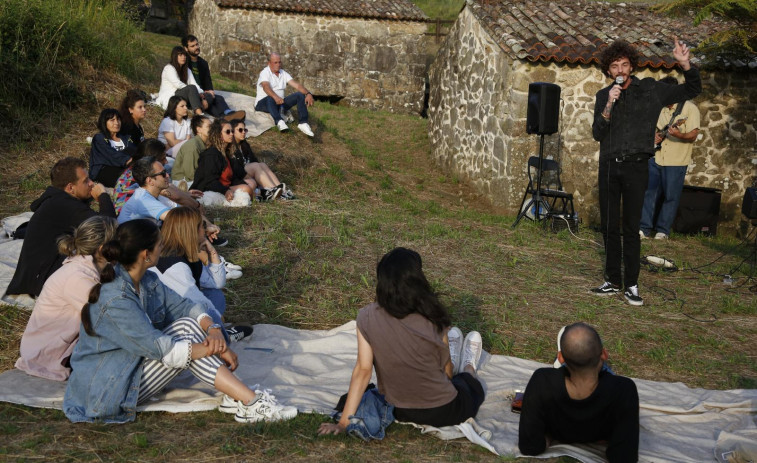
[(409, 356)]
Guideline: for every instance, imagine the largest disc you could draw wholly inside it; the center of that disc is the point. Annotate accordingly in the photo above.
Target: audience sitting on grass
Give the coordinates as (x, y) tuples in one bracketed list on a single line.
[(258, 171), (53, 328), (175, 80), (110, 151), (133, 112), (424, 368), (137, 336), (186, 160), (580, 402), (61, 208), (174, 129), (217, 169), (190, 265), (126, 185)]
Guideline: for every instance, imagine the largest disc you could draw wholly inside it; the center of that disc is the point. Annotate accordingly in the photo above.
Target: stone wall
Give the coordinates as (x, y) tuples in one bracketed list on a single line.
[(477, 124), (375, 64)]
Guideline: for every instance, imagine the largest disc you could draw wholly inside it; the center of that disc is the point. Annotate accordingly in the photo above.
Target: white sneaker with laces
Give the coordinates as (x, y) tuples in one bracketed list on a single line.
[(472, 347), (282, 126), (233, 274), (642, 236), (264, 408), (455, 338), (661, 236), (305, 128)]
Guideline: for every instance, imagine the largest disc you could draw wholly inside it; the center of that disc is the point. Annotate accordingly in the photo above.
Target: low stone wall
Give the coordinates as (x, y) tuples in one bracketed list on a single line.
[(477, 124), (375, 64)]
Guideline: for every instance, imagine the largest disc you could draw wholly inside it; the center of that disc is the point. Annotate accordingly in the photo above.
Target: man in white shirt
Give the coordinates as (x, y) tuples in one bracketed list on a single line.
[(270, 95)]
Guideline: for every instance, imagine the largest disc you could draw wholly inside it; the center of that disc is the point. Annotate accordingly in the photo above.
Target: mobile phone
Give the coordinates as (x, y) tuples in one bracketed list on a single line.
[(517, 402)]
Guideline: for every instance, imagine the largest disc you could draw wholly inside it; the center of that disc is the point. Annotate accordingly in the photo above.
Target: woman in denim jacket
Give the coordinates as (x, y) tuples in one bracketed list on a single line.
[(137, 335)]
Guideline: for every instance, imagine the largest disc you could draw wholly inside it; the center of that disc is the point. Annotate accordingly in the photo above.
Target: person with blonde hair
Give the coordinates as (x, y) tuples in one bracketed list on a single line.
[(53, 328), (137, 335), (190, 265)]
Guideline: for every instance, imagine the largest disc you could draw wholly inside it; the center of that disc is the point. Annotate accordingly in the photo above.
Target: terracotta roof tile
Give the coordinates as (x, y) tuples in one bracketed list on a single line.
[(400, 10), (575, 31)]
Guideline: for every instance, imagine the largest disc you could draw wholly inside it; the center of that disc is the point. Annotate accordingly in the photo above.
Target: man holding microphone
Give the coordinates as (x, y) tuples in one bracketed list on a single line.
[(625, 114)]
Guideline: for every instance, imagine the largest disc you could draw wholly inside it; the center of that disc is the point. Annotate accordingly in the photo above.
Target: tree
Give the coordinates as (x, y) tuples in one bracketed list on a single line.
[(740, 39)]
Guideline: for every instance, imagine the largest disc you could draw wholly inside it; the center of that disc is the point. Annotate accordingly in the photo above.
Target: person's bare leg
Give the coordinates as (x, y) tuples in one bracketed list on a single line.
[(262, 174), (229, 384)]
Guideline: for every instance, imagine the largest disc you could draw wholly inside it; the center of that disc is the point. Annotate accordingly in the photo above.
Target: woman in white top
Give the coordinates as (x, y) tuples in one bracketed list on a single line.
[(175, 128), (177, 80)]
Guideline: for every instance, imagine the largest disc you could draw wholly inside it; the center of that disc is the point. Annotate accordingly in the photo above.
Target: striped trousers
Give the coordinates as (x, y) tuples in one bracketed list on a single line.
[(156, 376)]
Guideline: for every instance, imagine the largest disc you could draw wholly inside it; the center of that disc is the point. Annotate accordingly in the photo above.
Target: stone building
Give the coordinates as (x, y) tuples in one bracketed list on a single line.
[(367, 52), (479, 89)]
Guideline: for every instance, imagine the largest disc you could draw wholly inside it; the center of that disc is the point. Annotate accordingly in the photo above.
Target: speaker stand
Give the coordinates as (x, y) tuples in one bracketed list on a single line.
[(536, 200)]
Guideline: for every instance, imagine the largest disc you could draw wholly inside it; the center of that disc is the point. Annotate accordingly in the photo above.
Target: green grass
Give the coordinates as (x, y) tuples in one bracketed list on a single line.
[(366, 183), (442, 9)]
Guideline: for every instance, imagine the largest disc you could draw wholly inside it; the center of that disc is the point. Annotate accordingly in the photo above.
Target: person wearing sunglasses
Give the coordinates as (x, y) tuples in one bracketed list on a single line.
[(258, 173), (146, 201), (217, 169)]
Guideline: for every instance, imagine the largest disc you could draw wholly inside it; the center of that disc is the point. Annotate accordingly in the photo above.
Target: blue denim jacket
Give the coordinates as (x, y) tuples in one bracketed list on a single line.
[(107, 368), (372, 417)]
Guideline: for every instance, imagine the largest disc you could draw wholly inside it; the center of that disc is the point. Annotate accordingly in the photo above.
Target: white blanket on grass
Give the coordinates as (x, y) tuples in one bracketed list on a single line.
[(257, 122), (10, 249), (311, 369)]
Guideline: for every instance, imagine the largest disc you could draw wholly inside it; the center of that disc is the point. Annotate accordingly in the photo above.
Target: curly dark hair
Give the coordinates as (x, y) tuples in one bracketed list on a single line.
[(617, 50)]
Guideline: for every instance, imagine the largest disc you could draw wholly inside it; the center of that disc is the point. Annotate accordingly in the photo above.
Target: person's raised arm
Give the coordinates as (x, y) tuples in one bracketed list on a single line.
[(361, 375), (693, 84)]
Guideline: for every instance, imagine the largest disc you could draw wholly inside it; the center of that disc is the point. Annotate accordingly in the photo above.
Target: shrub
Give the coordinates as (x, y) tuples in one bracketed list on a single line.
[(47, 45)]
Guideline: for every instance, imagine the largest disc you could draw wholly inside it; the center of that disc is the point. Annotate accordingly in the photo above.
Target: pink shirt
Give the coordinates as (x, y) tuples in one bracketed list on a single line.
[(53, 328)]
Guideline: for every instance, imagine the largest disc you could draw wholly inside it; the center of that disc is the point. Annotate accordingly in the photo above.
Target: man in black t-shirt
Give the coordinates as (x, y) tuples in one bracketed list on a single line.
[(199, 68), (580, 402)]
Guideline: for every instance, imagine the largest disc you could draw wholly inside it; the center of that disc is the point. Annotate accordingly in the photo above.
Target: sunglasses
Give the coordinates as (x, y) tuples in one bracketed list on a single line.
[(242, 130), (162, 173), (227, 131)]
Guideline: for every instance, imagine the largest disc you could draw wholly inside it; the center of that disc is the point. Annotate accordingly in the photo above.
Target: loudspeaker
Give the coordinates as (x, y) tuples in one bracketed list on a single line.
[(543, 108), (749, 204), (698, 211)]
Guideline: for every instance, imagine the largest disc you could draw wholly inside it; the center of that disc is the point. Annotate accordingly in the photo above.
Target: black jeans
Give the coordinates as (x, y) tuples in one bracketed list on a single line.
[(626, 181), (470, 396)]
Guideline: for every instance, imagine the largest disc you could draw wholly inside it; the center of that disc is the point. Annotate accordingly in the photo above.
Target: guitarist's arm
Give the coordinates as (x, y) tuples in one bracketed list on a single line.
[(687, 137)]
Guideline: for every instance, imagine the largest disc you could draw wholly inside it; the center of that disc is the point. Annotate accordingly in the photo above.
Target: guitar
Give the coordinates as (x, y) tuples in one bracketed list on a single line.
[(664, 132)]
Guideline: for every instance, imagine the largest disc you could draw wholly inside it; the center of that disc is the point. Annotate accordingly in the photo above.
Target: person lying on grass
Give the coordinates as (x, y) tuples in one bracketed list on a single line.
[(137, 335), (406, 336), (53, 328)]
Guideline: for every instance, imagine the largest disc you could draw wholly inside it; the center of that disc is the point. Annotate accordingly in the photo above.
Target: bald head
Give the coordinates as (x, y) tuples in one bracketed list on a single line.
[(581, 347)]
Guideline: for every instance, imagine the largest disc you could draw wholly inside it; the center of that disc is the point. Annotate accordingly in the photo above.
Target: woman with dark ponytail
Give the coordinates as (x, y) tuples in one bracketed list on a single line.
[(425, 371), (53, 328), (138, 335)]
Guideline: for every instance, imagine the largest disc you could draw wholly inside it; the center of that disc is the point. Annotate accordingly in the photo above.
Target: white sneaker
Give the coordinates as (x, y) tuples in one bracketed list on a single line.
[(282, 126), (233, 274), (455, 337), (305, 128), (264, 408), (557, 363), (472, 347), (642, 236), (660, 236), (228, 404), (229, 266)]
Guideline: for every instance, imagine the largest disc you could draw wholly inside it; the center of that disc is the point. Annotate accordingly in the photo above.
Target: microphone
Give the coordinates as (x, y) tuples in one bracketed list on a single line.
[(618, 81)]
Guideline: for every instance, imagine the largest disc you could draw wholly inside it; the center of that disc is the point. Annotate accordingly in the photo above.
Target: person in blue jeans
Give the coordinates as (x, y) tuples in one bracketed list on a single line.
[(270, 98), (667, 170)]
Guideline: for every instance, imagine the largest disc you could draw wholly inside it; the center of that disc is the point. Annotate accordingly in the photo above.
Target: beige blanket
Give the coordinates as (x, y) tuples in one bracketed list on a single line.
[(311, 369)]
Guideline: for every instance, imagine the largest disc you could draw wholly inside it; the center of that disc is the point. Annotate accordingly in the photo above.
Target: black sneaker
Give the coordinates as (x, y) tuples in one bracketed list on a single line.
[(220, 242), (605, 289), (632, 295), (237, 333), (269, 194)]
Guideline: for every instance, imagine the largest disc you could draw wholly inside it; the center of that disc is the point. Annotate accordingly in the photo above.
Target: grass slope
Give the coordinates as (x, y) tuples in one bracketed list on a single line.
[(366, 183)]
